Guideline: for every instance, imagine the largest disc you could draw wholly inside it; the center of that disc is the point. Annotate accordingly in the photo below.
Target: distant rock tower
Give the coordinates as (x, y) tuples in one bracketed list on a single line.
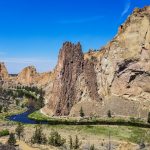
[(3, 71)]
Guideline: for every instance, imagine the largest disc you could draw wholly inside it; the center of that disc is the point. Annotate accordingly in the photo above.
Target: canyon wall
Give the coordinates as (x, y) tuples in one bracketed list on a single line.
[(114, 78)]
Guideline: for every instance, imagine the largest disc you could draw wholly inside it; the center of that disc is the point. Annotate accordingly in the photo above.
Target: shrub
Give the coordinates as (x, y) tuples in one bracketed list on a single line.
[(55, 139), (5, 109), (17, 102), (4, 133), (12, 140)]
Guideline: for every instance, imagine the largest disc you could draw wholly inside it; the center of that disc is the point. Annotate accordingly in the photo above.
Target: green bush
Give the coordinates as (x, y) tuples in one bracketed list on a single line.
[(4, 133)]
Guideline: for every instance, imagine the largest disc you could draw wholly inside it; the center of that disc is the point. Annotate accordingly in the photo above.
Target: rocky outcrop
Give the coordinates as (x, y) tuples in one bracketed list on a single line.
[(69, 67), (125, 66), (3, 71), (27, 76), (113, 78)]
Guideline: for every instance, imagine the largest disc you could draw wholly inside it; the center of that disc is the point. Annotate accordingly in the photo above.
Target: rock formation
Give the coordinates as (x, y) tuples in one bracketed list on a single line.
[(3, 71), (27, 77), (114, 78)]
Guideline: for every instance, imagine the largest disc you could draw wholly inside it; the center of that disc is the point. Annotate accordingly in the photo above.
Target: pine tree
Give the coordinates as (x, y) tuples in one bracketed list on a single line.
[(38, 137), (70, 142), (92, 147), (12, 140), (81, 112), (1, 107), (76, 143), (148, 119), (19, 130), (109, 114), (55, 139)]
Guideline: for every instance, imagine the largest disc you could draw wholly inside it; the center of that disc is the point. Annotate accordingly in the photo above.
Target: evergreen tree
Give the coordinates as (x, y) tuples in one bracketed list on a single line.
[(76, 143), (38, 137), (148, 119), (109, 114), (12, 140), (70, 142), (20, 130), (55, 139), (92, 147), (17, 102), (1, 107), (81, 112)]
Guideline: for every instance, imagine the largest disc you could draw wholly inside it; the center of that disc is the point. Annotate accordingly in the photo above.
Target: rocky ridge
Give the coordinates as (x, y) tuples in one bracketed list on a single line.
[(27, 77), (114, 78)]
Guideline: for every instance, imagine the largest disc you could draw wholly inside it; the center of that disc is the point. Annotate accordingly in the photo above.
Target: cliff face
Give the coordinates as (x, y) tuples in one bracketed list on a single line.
[(69, 67), (124, 70), (114, 78)]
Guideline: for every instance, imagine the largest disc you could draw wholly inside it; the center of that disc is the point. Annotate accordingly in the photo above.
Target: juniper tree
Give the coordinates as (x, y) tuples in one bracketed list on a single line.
[(77, 143), (1, 107), (55, 139), (92, 147), (70, 142), (12, 139), (109, 114), (148, 119), (38, 137), (20, 130), (81, 112)]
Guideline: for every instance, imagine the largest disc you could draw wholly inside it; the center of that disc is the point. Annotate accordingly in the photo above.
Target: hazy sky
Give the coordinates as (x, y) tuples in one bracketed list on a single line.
[(33, 31)]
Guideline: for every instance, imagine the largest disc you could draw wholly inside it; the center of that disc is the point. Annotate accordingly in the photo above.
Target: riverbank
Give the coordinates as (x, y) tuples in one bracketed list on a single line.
[(4, 116), (38, 116)]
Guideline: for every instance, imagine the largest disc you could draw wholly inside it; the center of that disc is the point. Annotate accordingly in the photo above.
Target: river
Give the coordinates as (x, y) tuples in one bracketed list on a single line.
[(23, 118)]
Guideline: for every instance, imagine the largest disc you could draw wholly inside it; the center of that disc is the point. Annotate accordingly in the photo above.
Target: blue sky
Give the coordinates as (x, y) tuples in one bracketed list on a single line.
[(33, 31)]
